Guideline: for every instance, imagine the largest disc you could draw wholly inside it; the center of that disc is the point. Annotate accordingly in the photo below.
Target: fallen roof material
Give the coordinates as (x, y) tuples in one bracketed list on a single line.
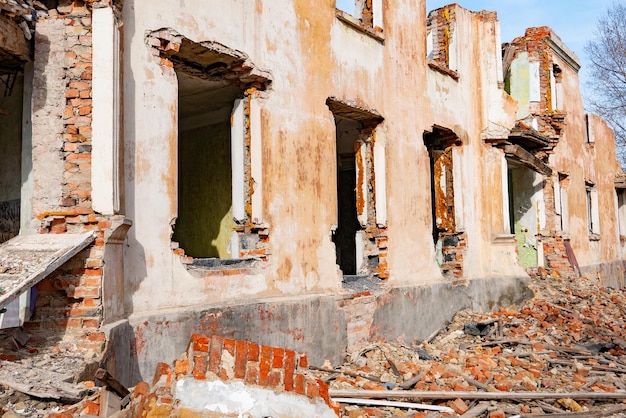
[(27, 259)]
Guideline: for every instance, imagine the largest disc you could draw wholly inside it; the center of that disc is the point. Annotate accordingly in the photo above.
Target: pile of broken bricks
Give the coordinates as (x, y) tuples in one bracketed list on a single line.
[(562, 354)]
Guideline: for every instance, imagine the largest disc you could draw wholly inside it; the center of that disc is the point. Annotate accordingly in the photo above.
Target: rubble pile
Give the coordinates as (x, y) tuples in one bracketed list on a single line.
[(568, 339), (561, 354)]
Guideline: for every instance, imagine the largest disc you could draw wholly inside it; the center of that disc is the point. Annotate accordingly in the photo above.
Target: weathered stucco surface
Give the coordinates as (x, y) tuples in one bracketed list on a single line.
[(249, 145)]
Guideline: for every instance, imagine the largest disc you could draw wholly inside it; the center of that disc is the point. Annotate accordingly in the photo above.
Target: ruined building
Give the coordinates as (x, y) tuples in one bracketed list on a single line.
[(285, 172)]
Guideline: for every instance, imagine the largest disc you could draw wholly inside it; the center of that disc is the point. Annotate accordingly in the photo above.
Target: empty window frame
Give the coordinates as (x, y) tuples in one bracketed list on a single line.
[(11, 103), (441, 38), (561, 202), (593, 215), (218, 213), (368, 12), (621, 212), (556, 88), (589, 137)]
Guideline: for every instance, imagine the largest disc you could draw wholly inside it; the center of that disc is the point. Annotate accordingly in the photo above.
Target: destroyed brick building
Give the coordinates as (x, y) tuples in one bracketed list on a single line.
[(292, 174)]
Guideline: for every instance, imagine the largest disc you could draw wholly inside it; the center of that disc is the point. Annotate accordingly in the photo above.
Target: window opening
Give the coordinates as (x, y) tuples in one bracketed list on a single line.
[(357, 235), (363, 14), (563, 203), (621, 213), (449, 242), (216, 87), (556, 87), (593, 216), (205, 217), (441, 41), (348, 145), (589, 138)]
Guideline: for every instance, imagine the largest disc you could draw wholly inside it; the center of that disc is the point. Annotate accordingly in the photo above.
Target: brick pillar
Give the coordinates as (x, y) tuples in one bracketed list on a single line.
[(69, 304)]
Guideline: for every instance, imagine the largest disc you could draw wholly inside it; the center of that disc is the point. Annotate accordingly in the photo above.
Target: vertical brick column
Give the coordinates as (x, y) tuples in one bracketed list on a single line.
[(69, 303)]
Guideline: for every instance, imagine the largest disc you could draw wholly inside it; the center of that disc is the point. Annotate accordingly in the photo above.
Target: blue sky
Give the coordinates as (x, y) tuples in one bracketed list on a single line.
[(573, 20)]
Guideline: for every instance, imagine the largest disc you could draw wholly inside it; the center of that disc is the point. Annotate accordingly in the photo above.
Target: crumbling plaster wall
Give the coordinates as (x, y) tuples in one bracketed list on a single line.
[(487, 113), (311, 55)]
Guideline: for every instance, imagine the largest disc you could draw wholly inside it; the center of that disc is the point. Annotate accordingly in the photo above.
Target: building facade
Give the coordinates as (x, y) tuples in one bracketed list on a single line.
[(293, 174)]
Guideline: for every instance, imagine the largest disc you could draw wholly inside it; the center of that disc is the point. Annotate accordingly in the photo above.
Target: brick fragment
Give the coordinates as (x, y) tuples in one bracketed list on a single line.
[(459, 406)]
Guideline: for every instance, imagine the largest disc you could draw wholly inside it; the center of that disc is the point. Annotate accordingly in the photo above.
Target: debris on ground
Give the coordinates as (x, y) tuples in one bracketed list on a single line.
[(561, 354)]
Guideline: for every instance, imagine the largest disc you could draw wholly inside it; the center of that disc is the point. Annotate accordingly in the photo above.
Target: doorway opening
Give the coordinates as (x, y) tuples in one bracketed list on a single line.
[(11, 110)]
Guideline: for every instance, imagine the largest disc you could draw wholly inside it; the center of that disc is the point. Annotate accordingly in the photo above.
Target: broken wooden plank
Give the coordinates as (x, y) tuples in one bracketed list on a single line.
[(592, 366), (595, 412), (410, 383), (395, 404), (475, 382), (347, 373), (106, 378), (110, 403), (447, 395), (40, 383), (27, 259)]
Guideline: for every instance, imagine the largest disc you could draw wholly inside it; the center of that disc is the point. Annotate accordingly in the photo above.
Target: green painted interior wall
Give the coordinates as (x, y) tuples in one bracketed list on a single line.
[(524, 214), (205, 219), (518, 81)]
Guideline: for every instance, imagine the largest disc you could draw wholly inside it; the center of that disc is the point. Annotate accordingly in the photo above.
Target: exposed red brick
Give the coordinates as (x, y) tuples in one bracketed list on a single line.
[(265, 365), (312, 390), (303, 361), (200, 363), (290, 367), (241, 358), (229, 345), (215, 353), (253, 352), (277, 357), (200, 342), (300, 384), (252, 374), (274, 379)]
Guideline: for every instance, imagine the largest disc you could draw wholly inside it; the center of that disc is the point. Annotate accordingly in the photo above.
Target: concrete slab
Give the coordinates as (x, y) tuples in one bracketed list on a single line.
[(27, 259)]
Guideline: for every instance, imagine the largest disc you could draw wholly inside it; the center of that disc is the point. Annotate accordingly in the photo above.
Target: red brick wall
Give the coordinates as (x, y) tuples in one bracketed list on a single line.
[(69, 302), (274, 368)]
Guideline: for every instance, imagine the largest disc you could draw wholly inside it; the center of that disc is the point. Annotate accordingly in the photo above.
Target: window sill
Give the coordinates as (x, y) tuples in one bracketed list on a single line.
[(443, 70), (594, 237), (375, 33)]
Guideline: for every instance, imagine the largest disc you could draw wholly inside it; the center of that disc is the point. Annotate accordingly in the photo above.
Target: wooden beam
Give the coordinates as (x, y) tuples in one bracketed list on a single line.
[(440, 395), (12, 39)]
